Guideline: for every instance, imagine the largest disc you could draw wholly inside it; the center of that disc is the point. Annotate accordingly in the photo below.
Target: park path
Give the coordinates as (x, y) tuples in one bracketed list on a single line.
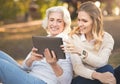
[(38, 22), (20, 25)]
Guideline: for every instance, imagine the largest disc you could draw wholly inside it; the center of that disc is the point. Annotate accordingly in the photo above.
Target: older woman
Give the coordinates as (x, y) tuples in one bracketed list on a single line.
[(42, 70), (90, 47)]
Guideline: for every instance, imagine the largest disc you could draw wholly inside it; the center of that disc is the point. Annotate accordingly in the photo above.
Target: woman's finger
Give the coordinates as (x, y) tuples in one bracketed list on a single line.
[(47, 53), (53, 54), (34, 49)]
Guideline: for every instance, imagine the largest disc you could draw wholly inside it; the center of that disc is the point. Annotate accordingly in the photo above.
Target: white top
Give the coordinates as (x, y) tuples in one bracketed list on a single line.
[(95, 59), (43, 70)]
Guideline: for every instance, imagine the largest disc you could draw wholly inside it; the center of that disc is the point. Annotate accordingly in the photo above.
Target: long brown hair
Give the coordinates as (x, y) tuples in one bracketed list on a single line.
[(96, 15)]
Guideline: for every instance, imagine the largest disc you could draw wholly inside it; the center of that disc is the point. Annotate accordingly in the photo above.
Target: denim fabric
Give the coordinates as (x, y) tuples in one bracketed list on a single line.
[(11, 73), (81, 80), (117, 74)]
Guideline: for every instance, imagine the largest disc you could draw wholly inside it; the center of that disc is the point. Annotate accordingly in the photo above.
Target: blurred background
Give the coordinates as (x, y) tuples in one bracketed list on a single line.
[(21, 19)]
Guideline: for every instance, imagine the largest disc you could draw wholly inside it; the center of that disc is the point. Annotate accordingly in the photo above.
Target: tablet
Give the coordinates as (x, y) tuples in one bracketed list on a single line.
[(52, 43)]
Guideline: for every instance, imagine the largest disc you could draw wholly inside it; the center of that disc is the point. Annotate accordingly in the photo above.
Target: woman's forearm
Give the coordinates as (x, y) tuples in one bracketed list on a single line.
[(29, 62), (57, 69)]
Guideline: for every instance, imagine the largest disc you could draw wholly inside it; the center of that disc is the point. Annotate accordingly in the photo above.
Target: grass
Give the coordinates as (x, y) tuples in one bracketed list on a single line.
[(115, 59), (17, 41)]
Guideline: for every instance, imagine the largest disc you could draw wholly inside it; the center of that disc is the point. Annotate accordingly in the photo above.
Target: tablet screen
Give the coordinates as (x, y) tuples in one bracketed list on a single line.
[(52, 43)]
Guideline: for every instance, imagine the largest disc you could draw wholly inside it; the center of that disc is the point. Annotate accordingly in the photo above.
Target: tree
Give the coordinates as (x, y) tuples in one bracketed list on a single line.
[(8, 9), (13, 9)]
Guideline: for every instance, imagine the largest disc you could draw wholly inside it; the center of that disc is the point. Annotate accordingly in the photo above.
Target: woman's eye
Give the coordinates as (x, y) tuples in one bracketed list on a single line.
[(51, 20), (59, 21), (82, 20), (85, 20)]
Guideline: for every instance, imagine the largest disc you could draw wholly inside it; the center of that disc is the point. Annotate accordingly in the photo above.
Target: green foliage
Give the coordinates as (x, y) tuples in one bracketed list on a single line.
[(8, 9), (12, 9), (44, 4), (23, 5)]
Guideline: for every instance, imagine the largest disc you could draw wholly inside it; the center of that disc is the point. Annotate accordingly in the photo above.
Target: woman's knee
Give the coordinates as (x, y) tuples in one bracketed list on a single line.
[(106, 68), (3, 63), (2, 54), (82, 80)]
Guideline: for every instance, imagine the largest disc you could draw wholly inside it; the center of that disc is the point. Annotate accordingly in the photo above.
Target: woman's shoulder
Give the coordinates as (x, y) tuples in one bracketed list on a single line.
[(107, 36), (108, 39)]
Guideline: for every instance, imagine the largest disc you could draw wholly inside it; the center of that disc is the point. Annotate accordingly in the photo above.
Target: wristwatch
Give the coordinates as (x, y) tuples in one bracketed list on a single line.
[(84, 54)]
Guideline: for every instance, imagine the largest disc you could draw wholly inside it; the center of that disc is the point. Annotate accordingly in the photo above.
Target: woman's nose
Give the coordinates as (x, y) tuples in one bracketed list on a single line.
[(80, 24), (54, 23)]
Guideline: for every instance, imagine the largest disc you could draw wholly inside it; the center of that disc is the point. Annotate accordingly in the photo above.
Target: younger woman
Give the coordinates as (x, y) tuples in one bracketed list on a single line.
[(90, 47)]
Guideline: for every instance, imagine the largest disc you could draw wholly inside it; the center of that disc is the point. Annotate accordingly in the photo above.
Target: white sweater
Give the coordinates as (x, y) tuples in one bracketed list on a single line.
[(95, 59)]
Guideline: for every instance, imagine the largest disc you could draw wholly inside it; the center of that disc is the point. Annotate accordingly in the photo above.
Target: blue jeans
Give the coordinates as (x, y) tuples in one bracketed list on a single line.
[(12, 73), (81, 80), (117, 74)]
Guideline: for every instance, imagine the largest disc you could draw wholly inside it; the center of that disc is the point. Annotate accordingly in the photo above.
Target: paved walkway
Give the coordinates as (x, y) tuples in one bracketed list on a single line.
[(20, 25)]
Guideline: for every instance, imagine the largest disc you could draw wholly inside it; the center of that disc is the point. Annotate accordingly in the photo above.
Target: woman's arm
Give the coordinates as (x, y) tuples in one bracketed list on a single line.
[(106, 78), (94, 58), (52, 60), (62, 68), (32, 56), (79, 68), (101, 58)]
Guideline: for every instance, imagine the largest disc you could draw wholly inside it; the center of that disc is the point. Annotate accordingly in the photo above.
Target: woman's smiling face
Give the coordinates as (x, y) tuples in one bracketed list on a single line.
[(55, 23), (84, 22)]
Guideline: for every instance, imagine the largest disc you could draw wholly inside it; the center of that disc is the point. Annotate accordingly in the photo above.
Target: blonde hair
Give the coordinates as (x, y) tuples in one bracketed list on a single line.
[(97, 18), (66, 17)]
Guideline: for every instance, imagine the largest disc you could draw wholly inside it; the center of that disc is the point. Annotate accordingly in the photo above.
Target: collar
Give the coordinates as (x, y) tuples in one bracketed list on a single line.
[(59, 35), (82, 37)]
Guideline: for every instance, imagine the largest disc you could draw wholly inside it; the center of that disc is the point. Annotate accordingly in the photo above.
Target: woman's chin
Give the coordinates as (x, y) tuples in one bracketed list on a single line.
[(82, 32)]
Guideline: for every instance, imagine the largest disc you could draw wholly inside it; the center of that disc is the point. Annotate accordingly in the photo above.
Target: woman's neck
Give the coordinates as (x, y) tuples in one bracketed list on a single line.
[(89, 37)]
